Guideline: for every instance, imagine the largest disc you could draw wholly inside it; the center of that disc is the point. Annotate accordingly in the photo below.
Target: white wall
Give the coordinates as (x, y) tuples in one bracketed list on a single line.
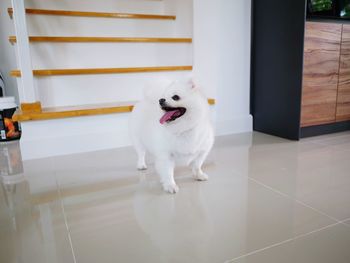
[(221, 59), (7, 52)]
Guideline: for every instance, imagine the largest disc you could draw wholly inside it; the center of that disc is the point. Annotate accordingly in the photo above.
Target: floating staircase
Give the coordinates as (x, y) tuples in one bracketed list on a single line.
[(13, 39), (30, 11), (62, 62), (91, 71)]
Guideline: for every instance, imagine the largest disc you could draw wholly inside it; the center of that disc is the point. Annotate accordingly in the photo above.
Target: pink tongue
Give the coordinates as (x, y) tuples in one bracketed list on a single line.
[(167, 116)]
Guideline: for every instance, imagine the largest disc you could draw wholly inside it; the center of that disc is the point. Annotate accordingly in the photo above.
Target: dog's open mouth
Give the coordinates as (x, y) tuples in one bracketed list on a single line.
[(171, 114)]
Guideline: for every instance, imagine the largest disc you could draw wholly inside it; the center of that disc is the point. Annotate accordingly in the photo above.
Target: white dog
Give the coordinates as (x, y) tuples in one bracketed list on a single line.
[(174, 126)]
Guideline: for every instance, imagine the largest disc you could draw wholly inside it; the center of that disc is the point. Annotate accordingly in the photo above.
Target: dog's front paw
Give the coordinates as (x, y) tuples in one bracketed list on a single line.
[(141, 167), (201, 177), (171, 188)]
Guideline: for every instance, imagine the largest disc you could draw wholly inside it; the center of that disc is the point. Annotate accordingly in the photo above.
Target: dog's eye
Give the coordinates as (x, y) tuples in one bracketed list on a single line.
[(175, 97)]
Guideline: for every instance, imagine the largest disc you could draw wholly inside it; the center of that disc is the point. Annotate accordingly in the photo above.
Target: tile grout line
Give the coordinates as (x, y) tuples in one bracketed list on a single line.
[(346, 224), (65, 219), (269, 187), (294, 199), (318, 211), (283, 242), (337, 222), (259, 250)]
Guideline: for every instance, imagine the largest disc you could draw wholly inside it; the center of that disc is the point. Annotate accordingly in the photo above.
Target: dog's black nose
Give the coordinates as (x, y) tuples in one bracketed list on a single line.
[(161, 102)]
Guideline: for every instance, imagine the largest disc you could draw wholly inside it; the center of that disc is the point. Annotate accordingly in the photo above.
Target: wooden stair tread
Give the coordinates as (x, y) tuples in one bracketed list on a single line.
[(70, 39), (32, 11), (85, 71), (77, 111)]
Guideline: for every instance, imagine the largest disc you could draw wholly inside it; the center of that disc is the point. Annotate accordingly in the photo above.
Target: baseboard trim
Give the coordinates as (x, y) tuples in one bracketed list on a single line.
[(235, 125), (324, 129)]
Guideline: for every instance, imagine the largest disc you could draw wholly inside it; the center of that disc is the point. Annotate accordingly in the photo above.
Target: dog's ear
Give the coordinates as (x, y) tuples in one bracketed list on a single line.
[(192, 83)]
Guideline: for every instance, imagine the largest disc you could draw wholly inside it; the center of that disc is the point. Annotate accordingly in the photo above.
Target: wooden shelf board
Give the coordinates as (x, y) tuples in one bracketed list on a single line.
[(31, 11), (61, 39), (86, 71), (77, 111), (74, 111)]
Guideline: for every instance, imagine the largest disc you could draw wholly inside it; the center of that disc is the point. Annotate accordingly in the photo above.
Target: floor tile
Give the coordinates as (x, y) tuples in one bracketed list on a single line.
[(31, 231), (232, 150), (118, 214), (328, 245), (96, 171), (212, 221), (315, 174), (340, 141)]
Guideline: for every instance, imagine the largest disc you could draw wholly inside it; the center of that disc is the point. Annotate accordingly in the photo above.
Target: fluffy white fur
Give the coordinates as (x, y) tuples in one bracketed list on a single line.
[(185, 140)]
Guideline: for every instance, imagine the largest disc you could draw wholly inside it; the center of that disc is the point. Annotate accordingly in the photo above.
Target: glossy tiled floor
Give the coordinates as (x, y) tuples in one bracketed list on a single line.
[(267, 200)]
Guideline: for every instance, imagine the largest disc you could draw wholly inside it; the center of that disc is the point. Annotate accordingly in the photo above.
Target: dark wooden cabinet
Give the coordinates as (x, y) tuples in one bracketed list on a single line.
[(343, 100), (320, 73), (300, 71), (326, 75)]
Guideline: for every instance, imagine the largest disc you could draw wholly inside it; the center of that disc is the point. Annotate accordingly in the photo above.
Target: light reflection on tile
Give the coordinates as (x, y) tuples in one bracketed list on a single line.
[(30, 232)]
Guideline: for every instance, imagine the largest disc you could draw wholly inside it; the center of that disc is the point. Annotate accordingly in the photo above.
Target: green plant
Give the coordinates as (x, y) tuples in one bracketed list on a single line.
[(321, 5)]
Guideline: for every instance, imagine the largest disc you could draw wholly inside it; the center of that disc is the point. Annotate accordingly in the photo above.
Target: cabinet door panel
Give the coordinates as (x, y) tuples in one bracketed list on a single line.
[(321, 71), (343, 102)]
